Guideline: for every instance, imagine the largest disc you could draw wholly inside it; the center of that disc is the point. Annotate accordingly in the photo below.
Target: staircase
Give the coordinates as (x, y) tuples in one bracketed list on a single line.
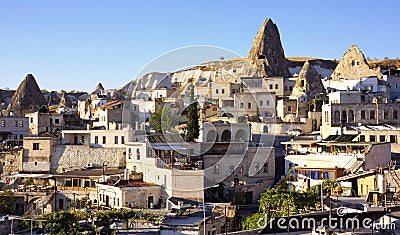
[(356, 166), (393, 174)]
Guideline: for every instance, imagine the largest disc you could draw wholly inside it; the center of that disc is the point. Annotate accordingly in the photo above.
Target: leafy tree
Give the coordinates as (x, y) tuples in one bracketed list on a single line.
[(277, 202), (163, 119), (155, 119), (6, 202), (193, 128), (61, 222)]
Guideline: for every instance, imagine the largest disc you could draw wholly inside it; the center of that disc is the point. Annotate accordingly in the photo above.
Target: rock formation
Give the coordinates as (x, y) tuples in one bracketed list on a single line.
[(267, 53), (308, 82), (65, 101), (28, 98), (354, 66)]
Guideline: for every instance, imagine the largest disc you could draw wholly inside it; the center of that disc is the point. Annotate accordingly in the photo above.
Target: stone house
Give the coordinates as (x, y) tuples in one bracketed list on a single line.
[(37, 154), (13, 128), (40, 123)]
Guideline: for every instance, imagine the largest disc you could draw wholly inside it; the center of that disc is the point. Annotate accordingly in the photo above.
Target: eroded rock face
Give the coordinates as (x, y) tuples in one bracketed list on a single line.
[(354, 66), (267, 53), (28, 98), (308, 82)]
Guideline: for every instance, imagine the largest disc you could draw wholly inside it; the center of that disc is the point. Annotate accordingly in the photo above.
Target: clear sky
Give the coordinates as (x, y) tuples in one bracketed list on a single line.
[(73, 45)]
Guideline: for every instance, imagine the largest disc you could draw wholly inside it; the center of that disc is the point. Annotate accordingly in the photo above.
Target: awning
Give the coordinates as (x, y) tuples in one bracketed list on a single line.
[(41, 176), (167, 147)]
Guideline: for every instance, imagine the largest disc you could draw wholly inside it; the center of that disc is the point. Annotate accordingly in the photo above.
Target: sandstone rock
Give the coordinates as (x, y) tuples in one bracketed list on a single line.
[(28, 98), (267, 53), (308, 82), (354, 66)]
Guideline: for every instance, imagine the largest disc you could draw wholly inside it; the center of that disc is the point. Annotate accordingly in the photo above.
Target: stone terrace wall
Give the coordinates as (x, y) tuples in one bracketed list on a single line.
[(81, 156)]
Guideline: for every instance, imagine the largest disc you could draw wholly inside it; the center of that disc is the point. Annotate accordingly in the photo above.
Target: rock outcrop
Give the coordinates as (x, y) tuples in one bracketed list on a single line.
[(28, 98), (354, 66), (308, 82), (267, 53)]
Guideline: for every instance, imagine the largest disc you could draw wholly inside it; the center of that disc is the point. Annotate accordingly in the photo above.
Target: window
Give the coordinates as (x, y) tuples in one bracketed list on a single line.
[(31, 119), (3, 122), (386, 114), (261, 103), (122, 139), (137, 154), (362, 114), (21, 123), (372, 138), (351, 116), (57, 121), (216, 91), (372, 114), (129, 153), (336, 116), (393, 139), (96, 140), (382, 138), (266, 167), (216, 169), (249, 105), (241, 105), (271, 86), (36, 146), (394, 114), (267, 102), (362, 138), (326, 116), (115, 139), (290, 88), (104, 140), (289, 108), (223, 91), (21, 136), (15, 123), (276, 86)]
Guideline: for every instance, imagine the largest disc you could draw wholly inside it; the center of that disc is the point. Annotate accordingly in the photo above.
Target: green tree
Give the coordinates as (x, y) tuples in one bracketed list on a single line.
[(61, 222), (277, 202), (155, 119), (6, 202), (193, 128)]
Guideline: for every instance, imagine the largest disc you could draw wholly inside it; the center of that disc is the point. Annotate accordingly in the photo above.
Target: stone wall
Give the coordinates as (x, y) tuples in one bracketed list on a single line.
[(10, 162), (65, 156)]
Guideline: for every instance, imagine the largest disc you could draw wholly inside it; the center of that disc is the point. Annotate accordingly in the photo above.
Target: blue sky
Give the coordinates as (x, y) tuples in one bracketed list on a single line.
[(73, 45)]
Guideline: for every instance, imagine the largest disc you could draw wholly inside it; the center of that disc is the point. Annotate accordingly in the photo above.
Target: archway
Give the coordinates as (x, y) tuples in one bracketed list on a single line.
[(226, 136), (240, 135), (211, 136)]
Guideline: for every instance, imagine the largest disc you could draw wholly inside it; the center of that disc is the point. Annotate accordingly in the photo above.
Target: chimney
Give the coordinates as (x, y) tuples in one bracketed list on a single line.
[(126, 174)]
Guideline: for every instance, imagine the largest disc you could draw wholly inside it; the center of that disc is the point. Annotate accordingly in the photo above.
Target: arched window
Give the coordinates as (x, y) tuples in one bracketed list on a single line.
[(137, 154), (129, 153), (336, 116), (351, 116)]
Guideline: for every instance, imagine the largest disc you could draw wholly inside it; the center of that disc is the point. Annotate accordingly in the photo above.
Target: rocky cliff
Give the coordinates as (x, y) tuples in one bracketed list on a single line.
[(354, 66), (28, 98)]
